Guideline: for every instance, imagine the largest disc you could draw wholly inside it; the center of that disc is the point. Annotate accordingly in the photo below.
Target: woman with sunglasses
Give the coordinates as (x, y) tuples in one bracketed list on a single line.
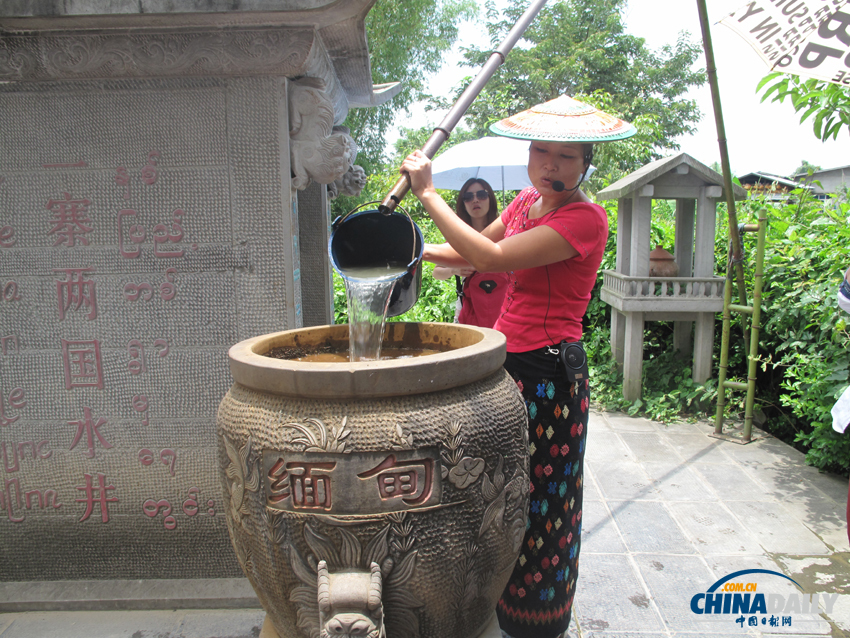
[(550, 240), (479, 294)]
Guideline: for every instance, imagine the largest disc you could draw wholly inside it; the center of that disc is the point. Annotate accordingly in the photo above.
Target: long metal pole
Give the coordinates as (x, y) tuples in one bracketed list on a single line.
[(442, 132), (737, 256)]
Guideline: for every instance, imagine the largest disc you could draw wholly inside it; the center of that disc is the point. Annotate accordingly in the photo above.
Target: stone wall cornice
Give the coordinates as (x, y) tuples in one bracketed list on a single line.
[(234, 52)]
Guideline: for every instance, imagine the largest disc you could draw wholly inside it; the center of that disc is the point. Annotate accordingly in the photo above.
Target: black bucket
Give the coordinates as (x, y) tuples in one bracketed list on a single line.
[(370, 238)]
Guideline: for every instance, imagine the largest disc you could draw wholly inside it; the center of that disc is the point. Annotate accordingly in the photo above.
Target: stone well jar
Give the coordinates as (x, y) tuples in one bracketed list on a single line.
[(376, 498)]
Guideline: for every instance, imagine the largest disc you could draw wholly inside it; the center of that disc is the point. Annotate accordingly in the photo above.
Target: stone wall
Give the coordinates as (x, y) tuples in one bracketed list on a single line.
[(145, 230), (161, 178)]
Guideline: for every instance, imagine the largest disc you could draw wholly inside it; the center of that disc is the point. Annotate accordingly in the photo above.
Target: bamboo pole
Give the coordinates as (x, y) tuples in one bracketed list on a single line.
[(737, 256), (442, 132)]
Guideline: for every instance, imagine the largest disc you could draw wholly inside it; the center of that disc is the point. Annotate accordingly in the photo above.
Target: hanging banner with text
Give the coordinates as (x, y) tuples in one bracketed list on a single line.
[(810, 38)]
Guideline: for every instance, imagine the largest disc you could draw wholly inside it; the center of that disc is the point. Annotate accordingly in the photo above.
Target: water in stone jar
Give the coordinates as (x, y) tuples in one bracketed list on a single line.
[(368, 291)]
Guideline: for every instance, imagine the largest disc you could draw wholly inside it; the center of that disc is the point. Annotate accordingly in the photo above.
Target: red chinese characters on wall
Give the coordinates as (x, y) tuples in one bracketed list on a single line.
[(76, 292), (70, 220), (96, 495), (91, 429), (82, 363)]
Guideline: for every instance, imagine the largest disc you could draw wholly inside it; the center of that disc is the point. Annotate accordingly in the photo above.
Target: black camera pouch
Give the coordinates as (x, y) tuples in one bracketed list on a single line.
[(574, 359)]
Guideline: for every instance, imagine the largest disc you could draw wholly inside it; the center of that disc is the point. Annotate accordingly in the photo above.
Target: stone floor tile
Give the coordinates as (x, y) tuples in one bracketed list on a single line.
[(731, 482), (599, 533), (677, 482), (721, 566), (713, 529), (766, 450), (649, 447), (648, 527), (699, 448), (591, 491), (819, 574), (672, 581), (611, 598), (623, 423), (834, 486), (776, 529), (824, 518), (606, 446), (802, 622), (622, 481), (91, 624), (786, 480), (840, 614), (202, 624), (682, 427)]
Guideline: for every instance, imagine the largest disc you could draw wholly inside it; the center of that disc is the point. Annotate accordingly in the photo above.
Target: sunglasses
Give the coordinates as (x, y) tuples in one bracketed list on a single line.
[(469, 195)]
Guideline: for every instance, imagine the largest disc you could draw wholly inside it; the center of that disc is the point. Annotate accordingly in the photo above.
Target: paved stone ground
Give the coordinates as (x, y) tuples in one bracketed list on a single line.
[(668, 512)]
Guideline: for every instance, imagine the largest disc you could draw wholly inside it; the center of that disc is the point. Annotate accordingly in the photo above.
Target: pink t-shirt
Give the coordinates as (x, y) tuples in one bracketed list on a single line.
[(544, 305), (483, 295)]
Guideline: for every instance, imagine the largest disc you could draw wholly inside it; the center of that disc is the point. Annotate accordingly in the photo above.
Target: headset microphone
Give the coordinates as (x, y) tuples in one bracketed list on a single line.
[(558, 186)]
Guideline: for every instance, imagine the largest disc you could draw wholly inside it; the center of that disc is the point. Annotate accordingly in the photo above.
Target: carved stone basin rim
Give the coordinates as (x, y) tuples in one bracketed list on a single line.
[(468, 353)]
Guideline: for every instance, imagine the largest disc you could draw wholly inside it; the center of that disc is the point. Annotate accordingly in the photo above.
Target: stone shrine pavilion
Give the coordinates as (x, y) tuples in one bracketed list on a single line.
[(165, 169)]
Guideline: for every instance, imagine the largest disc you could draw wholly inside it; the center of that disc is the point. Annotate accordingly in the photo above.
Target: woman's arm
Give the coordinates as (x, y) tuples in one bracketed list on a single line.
[(443, 273), (488, 251)]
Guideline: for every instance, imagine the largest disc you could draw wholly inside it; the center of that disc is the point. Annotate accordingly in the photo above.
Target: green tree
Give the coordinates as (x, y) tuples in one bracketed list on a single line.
[(826, 103), (580, 48), (804, 168), (407, 41)]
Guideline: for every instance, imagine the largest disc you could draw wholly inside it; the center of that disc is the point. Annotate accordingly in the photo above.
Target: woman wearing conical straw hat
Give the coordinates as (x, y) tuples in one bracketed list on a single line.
[(550, 241)]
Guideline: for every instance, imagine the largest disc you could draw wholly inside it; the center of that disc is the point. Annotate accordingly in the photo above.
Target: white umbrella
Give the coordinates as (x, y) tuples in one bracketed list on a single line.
[(500, 161)]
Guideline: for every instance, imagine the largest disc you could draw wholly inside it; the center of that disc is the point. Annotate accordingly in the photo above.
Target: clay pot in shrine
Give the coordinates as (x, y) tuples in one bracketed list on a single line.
[(380, 495), (662, 263)]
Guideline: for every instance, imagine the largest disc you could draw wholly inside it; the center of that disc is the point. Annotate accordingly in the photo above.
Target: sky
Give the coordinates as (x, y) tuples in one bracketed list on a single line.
[(763, 137)]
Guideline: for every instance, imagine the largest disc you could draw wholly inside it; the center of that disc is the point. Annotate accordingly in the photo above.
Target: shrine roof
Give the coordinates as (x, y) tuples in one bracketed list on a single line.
[(339, 25), (680, 170)]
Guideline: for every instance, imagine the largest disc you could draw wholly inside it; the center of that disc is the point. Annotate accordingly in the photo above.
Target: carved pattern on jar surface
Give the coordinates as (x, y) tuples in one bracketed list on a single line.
[(244, 475)]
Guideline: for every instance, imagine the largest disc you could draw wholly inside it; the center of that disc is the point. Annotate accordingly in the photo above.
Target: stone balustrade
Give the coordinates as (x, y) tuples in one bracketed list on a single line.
[(657, 294)]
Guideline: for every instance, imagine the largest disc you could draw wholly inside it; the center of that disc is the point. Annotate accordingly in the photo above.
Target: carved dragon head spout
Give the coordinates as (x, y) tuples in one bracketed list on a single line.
[(350, 603)]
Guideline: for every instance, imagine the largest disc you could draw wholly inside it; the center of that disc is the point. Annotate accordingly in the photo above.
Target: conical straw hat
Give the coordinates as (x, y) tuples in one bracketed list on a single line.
[(564, 120)]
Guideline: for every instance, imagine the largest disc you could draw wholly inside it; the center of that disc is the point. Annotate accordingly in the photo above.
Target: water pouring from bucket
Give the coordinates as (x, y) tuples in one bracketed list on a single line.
[(379, 257), (378, 253)]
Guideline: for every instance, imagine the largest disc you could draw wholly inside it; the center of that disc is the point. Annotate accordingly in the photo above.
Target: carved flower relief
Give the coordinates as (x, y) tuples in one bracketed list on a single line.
[(243, 475), (319, 150), (461, 471), (506, 504), (466, 472), (315, 436)]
